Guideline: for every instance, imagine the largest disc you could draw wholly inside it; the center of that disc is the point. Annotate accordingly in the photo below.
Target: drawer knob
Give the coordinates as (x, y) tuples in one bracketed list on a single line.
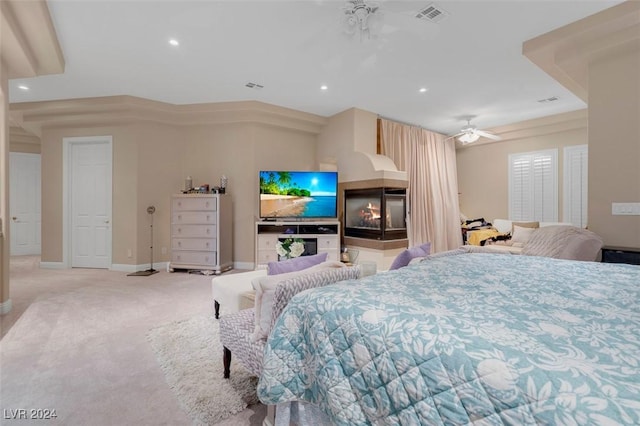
[(179, 243), (207, 245), (179, 217)]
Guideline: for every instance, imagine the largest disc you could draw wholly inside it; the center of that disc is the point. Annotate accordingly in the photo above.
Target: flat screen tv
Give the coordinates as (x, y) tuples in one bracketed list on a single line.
[(298, 194)]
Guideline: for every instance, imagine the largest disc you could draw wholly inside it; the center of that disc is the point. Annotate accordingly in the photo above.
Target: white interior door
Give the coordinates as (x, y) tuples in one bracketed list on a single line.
[(90, 201), (25, 203)]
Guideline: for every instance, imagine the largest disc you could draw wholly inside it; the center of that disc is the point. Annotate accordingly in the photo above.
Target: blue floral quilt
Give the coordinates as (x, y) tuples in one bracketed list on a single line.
[(488, 339)]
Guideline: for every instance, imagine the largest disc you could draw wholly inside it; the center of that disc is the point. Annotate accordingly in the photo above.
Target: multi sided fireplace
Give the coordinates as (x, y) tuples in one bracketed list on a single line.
[(375, 213)]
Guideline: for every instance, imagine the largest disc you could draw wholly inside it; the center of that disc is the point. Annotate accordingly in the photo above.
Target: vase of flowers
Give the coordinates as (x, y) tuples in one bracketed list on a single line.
[(290, 248)]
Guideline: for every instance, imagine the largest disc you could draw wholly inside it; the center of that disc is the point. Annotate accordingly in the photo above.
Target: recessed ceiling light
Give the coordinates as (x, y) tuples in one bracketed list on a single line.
[(423, 89), (324, 87), (23, 87), (174, 42)]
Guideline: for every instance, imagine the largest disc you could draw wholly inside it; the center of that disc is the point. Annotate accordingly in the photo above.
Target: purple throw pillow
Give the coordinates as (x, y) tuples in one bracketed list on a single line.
[(405, 257), (295, 264), (426, 247)]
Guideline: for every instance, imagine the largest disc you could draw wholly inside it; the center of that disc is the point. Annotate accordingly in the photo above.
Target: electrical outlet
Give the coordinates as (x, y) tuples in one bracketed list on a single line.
[(129, 253), (164, 250), (626, 209)]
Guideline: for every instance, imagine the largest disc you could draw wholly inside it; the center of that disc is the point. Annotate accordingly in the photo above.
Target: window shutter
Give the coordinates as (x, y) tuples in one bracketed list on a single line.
[(533, 186), (575, 190)]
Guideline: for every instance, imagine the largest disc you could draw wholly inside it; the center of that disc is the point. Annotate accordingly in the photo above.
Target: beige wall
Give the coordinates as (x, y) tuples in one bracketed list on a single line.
[(614, 145), (483, 168), (4, 190), (151, 162)]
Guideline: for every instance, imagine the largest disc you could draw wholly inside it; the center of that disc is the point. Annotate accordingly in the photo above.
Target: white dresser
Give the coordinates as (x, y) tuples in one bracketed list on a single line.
[(318, 237), (201, 232)]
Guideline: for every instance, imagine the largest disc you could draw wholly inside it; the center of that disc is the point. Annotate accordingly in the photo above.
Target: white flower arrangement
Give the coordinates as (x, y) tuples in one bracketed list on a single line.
[(290, 248)]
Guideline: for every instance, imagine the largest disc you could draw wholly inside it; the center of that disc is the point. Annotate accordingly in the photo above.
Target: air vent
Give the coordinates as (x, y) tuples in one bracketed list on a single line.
[(432, 13), (551, 99), (256, 86)]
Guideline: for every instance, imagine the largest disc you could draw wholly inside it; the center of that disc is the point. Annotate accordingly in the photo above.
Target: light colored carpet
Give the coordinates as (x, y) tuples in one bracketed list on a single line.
[(76, 341), (190, 354)]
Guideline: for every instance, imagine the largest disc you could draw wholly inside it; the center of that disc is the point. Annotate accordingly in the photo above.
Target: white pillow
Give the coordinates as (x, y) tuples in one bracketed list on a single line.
[(503, 226), (265, 287), (521, 235)]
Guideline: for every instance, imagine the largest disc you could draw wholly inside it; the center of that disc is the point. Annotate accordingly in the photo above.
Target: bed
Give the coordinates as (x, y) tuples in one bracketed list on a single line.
[(465, 338)]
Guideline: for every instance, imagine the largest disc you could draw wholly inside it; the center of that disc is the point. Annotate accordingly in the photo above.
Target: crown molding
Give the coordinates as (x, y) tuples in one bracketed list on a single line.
[(28, 42), (112, 110), (537, 127), (565, 53)]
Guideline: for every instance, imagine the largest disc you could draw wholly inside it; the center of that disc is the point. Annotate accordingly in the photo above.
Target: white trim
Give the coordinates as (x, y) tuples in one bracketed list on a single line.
[(53, 265), (66, 184), (5, 307), (244, 265)]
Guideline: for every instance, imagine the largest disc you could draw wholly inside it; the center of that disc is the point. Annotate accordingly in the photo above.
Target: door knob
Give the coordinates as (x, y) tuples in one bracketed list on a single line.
[(106, 221)]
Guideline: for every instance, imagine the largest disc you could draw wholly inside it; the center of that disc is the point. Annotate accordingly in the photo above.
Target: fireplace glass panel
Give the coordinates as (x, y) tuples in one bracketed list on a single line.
[(395, 212), (363, 212), (376, 213)]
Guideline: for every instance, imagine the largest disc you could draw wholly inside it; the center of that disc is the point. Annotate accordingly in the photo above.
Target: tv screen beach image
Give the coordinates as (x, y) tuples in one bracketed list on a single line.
[(298, 194)]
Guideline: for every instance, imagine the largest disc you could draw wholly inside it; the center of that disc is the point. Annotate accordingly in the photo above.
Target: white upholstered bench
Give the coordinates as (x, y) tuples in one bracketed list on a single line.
[(229, 290)]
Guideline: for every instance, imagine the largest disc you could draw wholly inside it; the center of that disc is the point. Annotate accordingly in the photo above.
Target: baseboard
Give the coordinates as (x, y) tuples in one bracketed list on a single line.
[(123, 267), (5, 307), (52, 265), (244, 265)]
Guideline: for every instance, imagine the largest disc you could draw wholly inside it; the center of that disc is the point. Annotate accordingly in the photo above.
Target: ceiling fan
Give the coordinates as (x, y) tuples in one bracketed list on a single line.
[(359, 17), (469, 134)]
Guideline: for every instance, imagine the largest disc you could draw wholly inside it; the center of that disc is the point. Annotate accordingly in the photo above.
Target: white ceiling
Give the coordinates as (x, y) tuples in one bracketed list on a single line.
[(471, 62)]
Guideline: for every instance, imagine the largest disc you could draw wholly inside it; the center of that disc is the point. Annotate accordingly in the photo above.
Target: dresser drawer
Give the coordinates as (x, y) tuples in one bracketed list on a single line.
[(267, 242), (193, 204), (202, 231), (207, 258), (332, 255), (266, 256), (327, 243), (203, 244), (190, 217)]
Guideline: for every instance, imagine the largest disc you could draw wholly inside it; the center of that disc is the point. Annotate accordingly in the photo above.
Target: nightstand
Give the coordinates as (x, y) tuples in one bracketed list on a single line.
[(628, 255)]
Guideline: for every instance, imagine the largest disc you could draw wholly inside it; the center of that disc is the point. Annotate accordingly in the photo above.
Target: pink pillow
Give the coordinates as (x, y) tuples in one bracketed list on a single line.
[(295, 264)]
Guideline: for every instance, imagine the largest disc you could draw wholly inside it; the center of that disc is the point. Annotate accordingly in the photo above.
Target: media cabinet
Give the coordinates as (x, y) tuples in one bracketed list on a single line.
[(319, 237)]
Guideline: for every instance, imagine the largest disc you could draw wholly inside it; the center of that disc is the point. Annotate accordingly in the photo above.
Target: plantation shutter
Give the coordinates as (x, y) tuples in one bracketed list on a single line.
[(575, 176), (533, 186)]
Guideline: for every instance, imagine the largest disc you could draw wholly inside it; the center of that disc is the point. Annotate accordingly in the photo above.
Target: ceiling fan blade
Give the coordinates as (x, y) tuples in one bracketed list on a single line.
[(488, 135), (454, 136)]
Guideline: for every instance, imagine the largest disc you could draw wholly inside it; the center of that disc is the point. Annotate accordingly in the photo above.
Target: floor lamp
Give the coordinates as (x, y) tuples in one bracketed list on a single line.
[(151, 210)]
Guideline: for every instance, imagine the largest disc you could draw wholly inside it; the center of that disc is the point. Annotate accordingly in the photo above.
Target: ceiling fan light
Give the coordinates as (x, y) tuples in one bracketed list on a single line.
[(468, 138)]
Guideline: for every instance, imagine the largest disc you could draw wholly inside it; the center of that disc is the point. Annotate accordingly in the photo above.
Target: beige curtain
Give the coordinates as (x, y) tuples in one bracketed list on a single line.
[(430, 163)]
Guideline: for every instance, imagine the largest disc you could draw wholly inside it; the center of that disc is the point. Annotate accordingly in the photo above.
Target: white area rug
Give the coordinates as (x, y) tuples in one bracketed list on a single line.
[(190, 354)]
